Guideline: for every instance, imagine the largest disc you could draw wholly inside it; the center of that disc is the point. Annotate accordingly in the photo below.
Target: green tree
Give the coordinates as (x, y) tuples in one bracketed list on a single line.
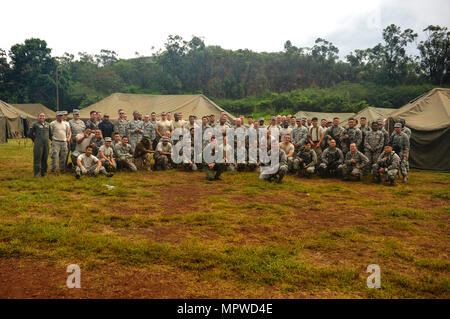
[(435, 54)]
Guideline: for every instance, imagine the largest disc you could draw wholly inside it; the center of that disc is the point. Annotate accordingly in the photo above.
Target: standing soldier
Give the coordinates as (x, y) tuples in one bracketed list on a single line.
[(92, 122), (134, 130), (334, 132), (350, 135), (77, 126), (149, 129), (299, 135), (355, 161), (387, 164), (316, 135), (120, 125), (373, 146), (385, 133), (40, 135), (400, 144), (60, 133), (364, 128), (405, 129)]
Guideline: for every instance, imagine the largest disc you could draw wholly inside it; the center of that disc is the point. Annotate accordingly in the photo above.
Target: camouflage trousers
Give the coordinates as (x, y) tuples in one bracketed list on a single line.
[(162, 161), (390, 174), (216, 171), (282, 171), (305, 171), (107, 165), (143, 162), (373, 157), (352, 171), (59, 155), (94, 170), (404, 165), (328, 170), (127, 163)]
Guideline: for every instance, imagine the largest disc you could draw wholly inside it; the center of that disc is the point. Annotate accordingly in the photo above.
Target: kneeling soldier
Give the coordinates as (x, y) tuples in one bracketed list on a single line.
[(124, 155), (305, 161), (387, 164), (143, 153), (163, 154), (332, 160), (106, 153), (88, 164), (355, 161)]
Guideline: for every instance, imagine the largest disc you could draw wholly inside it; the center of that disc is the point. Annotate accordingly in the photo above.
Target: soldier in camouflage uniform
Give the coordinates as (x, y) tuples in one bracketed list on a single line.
[(77, 126), (92, 122), (40, 135), (385, 133), (334, 132), (350, 135), (332, 161), (124, 155), (120, 125), (143, 153), (373, 146), (216, 166), (365, 129), (400, 143), (305, 161), (388, 164), (149, 129), (135, 129), (163, 154), (354, 163), (405, 129), (60, 132), (299, 135), (277, 172)]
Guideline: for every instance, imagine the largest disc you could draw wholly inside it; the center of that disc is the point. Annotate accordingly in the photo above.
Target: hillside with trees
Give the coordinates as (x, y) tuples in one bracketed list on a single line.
[(243, 81)]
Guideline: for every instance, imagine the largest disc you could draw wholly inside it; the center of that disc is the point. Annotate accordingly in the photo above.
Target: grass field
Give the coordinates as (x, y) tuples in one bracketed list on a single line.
[(173, 234)]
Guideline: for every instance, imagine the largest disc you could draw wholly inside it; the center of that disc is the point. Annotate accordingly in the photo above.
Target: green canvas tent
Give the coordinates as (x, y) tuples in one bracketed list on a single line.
[(3, 129), (198, 105), (371, 113), (322, 115), (428, 117), (35, 109), (17, 121)]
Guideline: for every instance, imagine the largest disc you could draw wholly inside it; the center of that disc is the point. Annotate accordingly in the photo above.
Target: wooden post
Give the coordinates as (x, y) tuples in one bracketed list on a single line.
[(57, 91)]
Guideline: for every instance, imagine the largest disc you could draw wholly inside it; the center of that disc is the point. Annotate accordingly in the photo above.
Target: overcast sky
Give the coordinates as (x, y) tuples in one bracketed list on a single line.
[(136, 26)]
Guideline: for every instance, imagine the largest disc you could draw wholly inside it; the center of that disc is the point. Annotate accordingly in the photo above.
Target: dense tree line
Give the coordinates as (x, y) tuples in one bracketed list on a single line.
[(242, 80)]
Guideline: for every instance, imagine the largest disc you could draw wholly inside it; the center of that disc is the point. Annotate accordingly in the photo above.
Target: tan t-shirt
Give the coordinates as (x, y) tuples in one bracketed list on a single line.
[(60, 131), (164, 126), (287, 148)]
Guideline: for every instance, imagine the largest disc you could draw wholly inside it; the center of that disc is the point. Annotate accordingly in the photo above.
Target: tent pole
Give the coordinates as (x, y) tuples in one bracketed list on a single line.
[(57, 91)]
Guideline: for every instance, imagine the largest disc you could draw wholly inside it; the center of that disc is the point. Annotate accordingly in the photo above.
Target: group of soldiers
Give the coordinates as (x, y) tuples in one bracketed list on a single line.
[(304, 147)]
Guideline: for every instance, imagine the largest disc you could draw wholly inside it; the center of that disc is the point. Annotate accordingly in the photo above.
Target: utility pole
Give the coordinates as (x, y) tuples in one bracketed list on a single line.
[(57, 89)]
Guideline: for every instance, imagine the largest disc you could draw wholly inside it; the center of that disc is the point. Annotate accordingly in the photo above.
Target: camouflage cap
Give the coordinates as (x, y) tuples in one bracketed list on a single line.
[(65, 112), (75, 111), (380, 122), (146, 136), (165, 139), (108, 139), (304, 118), (261, 119), (398, 125), (59, 113)]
